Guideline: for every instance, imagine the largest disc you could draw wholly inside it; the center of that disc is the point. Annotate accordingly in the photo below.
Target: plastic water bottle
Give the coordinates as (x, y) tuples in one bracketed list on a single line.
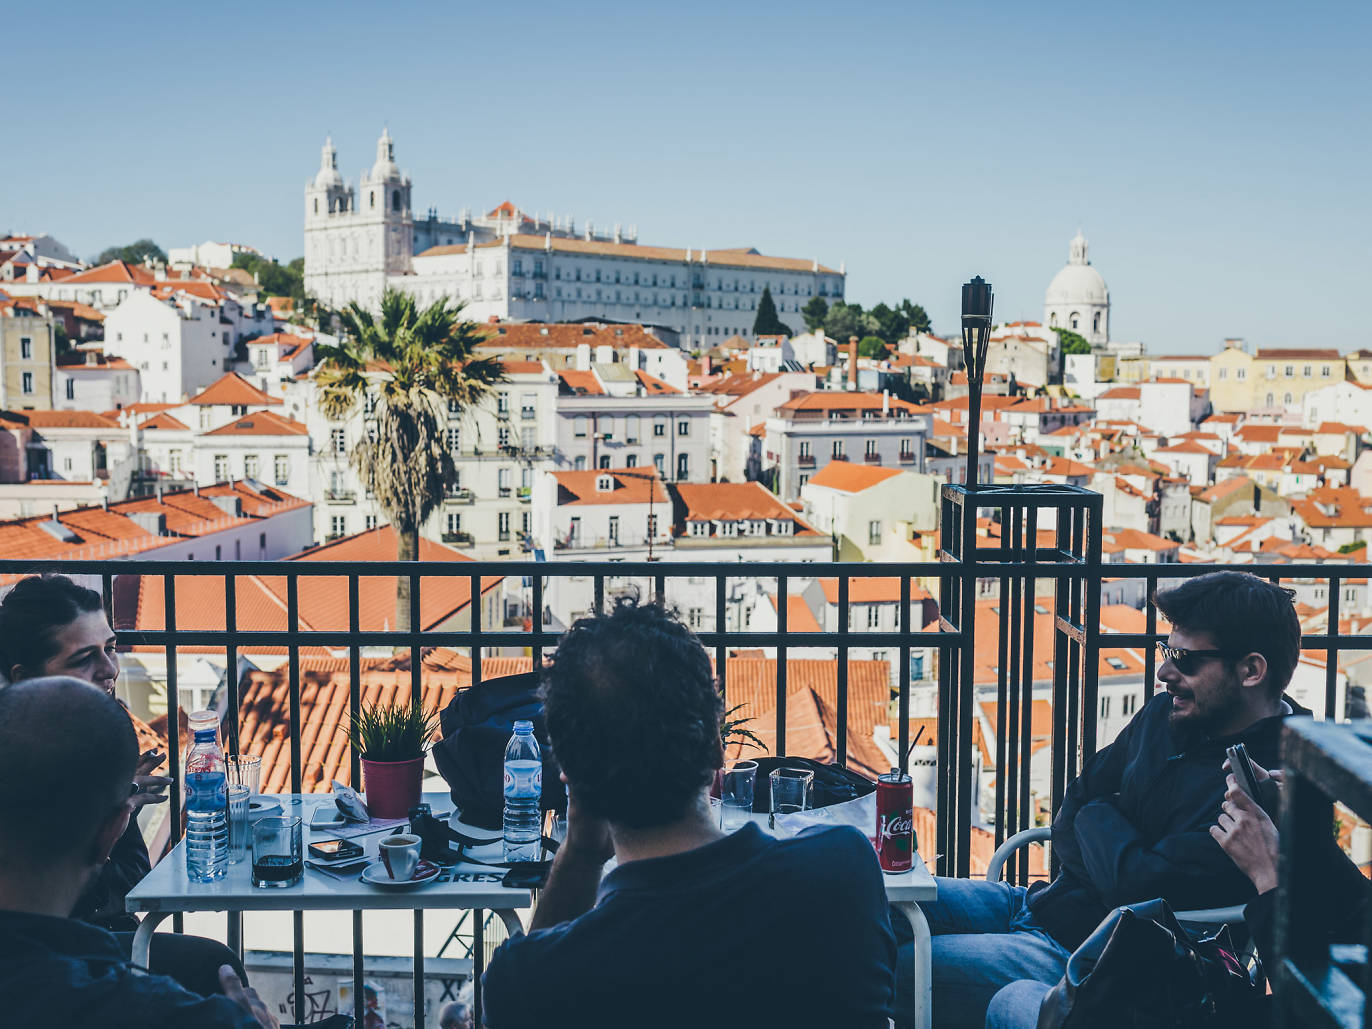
[(207, 817), (523, 792)]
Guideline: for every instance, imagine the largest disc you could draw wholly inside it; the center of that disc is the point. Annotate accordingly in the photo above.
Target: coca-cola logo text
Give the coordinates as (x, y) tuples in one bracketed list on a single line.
[(897, 826)]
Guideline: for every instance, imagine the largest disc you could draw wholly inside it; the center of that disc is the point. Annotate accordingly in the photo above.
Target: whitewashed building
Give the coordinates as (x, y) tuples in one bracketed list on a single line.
[(517, 267)]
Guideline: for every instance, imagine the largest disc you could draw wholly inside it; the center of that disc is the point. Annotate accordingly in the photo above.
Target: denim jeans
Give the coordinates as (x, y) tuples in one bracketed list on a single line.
[(984, 938), (1017, 1006)]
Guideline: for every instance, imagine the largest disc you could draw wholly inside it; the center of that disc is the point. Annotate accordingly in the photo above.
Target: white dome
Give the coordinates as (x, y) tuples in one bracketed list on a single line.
[(328, 177), (1078, 282), (385, 167)]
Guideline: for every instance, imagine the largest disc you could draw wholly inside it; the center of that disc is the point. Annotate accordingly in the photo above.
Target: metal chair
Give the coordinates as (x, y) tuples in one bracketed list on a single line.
[(1207, 917)]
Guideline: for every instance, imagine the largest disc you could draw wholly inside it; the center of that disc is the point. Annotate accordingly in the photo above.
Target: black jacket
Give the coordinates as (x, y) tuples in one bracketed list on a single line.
[(103, 902), (60, 973), (1135, 825)]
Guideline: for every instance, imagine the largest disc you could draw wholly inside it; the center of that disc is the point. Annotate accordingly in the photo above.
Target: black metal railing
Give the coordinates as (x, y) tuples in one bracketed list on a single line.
[(1041, 550)]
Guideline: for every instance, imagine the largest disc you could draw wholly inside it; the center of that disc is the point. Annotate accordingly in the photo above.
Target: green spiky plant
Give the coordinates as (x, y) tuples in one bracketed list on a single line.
[(735, 730), (387, 733)]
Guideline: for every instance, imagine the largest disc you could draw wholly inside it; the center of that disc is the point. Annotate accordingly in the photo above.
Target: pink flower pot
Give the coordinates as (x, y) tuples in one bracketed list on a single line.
[(392, 787)]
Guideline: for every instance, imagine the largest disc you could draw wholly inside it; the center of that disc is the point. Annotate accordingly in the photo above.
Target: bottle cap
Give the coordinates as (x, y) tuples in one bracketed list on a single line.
[(204, 735), (523, 726)]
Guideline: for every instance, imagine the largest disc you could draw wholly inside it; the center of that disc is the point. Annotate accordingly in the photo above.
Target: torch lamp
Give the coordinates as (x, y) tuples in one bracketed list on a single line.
[(977, 302)]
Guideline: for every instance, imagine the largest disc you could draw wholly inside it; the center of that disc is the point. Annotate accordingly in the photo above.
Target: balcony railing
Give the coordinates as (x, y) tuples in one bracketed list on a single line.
[(458, 539), (871, 458), (340, 496), (806, 460), (906, 457), (998, 591)]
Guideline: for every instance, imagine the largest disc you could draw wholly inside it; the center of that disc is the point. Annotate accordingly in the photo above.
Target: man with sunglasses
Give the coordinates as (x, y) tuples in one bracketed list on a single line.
[(1135, 825)]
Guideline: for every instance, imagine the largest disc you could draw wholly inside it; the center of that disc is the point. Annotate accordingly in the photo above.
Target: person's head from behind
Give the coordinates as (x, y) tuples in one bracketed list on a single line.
[(50, 625), (633, 715), (457, 1014), (1241, 640), (67, 758)]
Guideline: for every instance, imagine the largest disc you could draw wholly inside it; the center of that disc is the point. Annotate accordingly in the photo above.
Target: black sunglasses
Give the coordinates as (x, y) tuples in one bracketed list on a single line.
[(1187, 661)]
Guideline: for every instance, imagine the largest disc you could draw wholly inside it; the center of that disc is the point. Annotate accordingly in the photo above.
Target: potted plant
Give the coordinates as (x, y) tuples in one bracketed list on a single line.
[(392, 742)]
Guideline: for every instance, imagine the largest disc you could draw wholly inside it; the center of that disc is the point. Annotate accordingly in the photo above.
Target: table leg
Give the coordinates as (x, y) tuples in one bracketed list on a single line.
[(142, 940), (923, 1000)]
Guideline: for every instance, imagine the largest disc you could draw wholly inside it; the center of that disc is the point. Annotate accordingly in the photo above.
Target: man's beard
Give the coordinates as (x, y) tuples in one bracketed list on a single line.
[(1204, 716)]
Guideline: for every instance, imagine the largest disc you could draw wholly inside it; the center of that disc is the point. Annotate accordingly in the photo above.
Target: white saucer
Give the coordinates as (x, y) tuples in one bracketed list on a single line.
[(375, 874)]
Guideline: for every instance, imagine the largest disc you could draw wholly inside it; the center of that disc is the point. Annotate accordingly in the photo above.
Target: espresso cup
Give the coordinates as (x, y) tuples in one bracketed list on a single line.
[(400, 854)]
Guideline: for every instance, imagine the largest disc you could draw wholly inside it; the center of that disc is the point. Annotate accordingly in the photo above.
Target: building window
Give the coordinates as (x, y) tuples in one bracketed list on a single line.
[(26, 347), (250, 466), (873, 616), (631, 461), (1241, 373), (614, 530), (1128, 703), (659, 426), (683, 467), (221, 467), (871, 449), (71, 389), (652, 526), (502, 436), (369, 522), (604, 461), (660, 462), (1307, 371), (338, 525), (694, 617), (26, 381), (579, 426), (1222, 373), (683, 427), (1105, 706), (580, 463), (805, 448), (502, 524), (282, 469), (1290, 371), (1324, 371), (837, 450), (502, 403), (338, 441), (874, 532)]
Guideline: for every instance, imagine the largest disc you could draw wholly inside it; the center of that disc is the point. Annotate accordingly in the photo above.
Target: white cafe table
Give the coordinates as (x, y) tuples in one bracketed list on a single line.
[(905, 891), (166, 889)]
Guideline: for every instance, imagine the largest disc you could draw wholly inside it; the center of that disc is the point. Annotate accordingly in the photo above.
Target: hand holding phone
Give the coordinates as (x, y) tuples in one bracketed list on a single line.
[(1242, 767)]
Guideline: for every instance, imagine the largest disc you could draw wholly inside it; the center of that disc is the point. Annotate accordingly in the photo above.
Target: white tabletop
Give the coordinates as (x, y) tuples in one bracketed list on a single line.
[(913, 886), (167, 888)]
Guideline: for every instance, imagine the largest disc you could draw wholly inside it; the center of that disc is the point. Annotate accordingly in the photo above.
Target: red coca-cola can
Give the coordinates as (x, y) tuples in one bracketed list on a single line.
[(895, 838)]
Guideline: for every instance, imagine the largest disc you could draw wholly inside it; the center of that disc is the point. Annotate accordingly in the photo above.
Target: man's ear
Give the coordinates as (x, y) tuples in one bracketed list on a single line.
[(109, 832), (1252, 670)]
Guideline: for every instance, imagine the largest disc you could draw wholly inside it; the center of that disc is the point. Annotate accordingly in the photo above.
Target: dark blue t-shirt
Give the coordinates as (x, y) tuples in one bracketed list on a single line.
[(747, 931)]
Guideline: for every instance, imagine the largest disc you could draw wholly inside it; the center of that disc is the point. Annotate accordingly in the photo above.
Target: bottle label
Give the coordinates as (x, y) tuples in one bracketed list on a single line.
[(524, 779), (206, 791)]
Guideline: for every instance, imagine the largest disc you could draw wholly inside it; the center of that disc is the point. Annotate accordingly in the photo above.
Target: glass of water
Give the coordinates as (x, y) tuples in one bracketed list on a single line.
[(239, 797), (276, 853), (244, 771), (790, 791), (736, 794)]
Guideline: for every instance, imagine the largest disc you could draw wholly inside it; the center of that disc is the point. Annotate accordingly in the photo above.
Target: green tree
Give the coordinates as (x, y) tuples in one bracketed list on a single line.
[(1072, 342), (274, 280), (843, 321), (814, 312), (409, 368), (135, 253), (767, 323), (915, 316), (892, 324), (871, 346)]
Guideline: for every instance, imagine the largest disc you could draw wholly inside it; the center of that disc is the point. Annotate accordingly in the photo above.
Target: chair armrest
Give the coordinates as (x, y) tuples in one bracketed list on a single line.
[(1038, 834), (1213, 916)]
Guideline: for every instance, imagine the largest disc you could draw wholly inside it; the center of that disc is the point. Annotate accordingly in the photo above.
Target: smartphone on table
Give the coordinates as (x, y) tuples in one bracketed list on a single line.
[(335, 850)]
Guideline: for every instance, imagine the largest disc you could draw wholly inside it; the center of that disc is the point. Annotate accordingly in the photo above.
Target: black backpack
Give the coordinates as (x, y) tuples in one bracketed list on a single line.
[(833, 784), (476, 727)]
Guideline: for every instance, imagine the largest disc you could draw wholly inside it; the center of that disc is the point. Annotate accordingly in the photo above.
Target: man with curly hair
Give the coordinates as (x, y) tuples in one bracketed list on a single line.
[(691, 927)]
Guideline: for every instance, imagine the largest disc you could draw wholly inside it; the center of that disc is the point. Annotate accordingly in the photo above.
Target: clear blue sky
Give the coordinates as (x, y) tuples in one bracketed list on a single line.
[(1216, 155)]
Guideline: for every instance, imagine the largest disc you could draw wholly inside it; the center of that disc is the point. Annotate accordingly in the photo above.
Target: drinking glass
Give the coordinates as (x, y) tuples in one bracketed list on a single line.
[(736, 793), (238, 823), (244, 771), (276, 854), (790, 791)]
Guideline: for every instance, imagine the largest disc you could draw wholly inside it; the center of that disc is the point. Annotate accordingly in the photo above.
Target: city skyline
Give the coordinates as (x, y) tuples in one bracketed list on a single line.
[(1207, 160)]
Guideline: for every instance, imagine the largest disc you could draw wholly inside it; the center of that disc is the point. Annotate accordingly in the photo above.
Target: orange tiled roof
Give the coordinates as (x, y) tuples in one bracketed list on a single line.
[(261, 600), (653, 385), (325, 688), (69, 420), (799, 617), (751, 682), (631, 486), (845, 401), (232, 389), (115, 271), (1296, 354), (851, 478), (812, 731), (875, 590), (733, 501), (162, 420), (579, 382), (262, 423)]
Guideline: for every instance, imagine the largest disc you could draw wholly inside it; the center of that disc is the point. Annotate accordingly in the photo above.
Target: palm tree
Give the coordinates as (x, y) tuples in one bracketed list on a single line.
[(408, 369)]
